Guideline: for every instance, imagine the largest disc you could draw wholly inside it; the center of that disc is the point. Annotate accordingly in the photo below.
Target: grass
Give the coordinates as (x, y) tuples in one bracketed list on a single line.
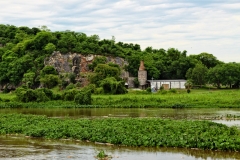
[(135, 99)]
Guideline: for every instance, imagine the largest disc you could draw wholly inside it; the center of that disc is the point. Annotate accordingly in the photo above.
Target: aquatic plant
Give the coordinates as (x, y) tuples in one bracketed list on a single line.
[(148, 132)]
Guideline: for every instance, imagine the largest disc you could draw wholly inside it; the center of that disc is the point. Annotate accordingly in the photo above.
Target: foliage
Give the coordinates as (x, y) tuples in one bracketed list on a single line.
[(112, 86), (198, 74), (147, 132), (225, 74), (70, 86), (188, 84), (50, 80), (149, 90), (48, 70), (136, 82), (97, 60), (83, 97), (28, 79), (173, 90), (69, 95), (29, 95), (23, 51)]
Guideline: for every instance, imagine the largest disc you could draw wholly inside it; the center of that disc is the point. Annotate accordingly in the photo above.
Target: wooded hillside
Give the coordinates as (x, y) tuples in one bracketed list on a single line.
[(23, 50)]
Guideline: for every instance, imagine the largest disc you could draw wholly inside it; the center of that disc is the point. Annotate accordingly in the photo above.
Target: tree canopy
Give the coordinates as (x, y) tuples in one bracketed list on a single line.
[(23, 50)]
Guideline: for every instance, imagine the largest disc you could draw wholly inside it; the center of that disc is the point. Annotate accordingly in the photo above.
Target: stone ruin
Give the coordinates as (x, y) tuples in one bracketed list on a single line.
[(142, 76)]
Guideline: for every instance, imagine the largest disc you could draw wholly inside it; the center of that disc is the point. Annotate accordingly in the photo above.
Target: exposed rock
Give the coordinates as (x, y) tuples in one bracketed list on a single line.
[(64, 63), (78, 63)]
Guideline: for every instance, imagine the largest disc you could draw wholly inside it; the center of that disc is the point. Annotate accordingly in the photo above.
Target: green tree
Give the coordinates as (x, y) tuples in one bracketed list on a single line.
[(28, 78), (49, 48), (50, 80), (198, 74), (112, 86)]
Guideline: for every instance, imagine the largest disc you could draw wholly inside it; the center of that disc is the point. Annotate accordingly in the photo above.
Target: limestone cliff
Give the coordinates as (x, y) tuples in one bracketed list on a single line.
[(78, 63), (64, 63)]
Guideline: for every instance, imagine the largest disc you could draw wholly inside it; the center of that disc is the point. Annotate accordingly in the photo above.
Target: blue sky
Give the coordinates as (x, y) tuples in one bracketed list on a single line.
[(211, 26)]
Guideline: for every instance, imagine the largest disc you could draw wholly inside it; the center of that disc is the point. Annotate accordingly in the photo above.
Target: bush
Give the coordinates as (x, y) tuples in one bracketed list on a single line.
[(78, 85), (41, 96), (69, 95), (83, 97), (28, 96), (163, 92), (188, 90), (70, 86), (57, 97), (149, 90), (99, 90), (72, 77), (90, 87), (111, 86), (173, 90), (161, 88), (47, 92), (50, 80)]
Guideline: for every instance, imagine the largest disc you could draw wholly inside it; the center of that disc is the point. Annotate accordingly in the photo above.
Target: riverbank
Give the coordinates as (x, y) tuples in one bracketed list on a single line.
[(148, 132), (142, 99)]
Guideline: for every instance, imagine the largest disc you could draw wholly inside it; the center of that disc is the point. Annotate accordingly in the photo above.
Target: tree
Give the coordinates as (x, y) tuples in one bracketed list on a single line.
[(214, 75), (48, 70), (230, 73), (50, 80), (112, 86), (208, 59), (28, 79), (198, 74), (49, 48)]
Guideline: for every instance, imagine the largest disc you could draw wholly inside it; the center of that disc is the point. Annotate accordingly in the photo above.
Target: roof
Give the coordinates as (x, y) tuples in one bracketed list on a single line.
[(168, 80)]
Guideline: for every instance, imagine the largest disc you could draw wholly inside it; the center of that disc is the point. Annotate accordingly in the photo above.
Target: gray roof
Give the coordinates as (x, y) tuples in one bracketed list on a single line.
[(168, 80)]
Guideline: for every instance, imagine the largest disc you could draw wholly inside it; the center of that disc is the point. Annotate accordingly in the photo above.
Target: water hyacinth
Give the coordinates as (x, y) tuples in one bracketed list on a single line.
[(148, 132)]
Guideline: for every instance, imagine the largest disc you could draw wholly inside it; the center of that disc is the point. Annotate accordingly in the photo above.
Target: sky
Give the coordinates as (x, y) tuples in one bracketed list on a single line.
[(197, 26)]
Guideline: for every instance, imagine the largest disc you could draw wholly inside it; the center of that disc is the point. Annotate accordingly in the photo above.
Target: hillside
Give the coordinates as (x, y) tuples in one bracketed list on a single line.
[(24, 50)]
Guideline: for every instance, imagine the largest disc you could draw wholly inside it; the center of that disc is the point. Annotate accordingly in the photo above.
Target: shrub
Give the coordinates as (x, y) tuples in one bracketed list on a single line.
[(69, 95), (163, 92), (161, 88), (72, 77), (83, 97), (149, 90), (47, 92), (78, 85), (70, 86), (99, 90), (41, 96), (50, 80), (90, 87), (28, 96), (112, 86), (173, 90), (57, 97)]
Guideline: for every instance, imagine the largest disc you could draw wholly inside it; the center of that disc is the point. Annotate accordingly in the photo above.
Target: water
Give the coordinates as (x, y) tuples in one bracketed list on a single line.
[(18, 147)]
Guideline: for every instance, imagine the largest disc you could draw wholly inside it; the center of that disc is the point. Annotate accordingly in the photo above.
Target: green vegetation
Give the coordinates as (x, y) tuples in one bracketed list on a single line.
[(133, 99), (23, 50), (148, 132)]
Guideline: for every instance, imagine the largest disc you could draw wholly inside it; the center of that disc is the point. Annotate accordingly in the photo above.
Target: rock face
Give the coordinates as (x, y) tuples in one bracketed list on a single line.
[(77, 63)]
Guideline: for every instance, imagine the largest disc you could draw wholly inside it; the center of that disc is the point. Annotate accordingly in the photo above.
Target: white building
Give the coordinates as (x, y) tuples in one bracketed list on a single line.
[(168, 84)]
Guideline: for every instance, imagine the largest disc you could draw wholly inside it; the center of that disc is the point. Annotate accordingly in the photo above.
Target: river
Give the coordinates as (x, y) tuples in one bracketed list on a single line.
[(19, 147)]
